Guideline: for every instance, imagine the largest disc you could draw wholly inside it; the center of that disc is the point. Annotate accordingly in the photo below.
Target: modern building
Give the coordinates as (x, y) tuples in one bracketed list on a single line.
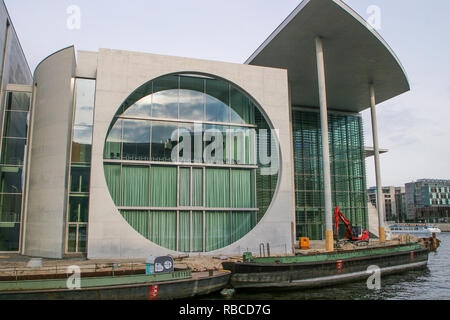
[(134, 154), (15, 81), (428, 200), (394, 202)]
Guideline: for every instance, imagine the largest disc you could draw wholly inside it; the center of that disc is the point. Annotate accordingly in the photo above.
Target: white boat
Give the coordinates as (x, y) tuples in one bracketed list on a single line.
[(417, 230)]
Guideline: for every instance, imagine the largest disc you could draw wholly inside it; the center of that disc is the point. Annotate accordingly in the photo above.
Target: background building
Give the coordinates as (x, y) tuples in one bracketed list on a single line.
[(394, 202), (428, 200)]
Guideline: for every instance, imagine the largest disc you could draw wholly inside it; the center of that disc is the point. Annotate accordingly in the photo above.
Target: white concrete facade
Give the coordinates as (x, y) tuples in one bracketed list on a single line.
[(118, 74), (47, 181)]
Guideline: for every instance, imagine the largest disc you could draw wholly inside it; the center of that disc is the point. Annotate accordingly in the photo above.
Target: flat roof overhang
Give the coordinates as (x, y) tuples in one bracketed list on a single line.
[(355, 56), (370, 151)]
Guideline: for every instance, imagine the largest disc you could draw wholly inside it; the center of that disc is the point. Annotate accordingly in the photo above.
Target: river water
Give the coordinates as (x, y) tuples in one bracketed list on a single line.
[(432, 283)]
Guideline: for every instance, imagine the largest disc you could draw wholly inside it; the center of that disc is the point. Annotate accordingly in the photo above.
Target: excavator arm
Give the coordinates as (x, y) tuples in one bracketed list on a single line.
[(338, 215)]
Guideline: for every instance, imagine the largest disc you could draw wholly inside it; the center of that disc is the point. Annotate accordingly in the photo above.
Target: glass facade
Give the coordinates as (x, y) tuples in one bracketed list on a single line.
[(13, 153), (80, 167), (347, 162), (181, 163)]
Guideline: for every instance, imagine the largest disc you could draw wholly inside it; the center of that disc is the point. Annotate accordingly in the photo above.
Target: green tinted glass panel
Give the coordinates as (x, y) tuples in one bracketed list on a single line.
[(78, 208), (11, 179), (185, 187), (72, 239), (138, 220), (197, 231), (16, 124), (13, 151), (242, 223), (242, 109), (9, 237), (163, 228), (82, 238), (217, 230), (80, 176), (18, 101), (217, 188), (10, 207), (135, 183), (163, 186), (243, 195), (112, 175), (184, 243), (197, 187)]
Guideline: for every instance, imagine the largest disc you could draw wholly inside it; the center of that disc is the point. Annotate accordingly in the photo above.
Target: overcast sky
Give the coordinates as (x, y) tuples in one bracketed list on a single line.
[(414, 126)]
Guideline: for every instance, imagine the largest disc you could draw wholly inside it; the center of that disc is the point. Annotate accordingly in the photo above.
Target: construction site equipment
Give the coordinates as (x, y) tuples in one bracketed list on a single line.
[(355, 234)]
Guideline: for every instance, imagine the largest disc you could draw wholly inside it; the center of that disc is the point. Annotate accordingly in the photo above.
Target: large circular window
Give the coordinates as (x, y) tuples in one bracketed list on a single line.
[(191, 162)]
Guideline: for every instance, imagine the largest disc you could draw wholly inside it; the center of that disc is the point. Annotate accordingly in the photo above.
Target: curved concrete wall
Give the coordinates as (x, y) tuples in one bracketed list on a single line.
[(49, 155), (119, 73)]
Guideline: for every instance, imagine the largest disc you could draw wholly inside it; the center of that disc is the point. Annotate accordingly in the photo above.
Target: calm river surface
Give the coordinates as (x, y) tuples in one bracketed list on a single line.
[(432, 283)]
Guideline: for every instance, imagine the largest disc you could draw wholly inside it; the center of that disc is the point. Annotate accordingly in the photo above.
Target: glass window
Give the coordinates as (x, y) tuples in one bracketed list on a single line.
[(142, 108), (166, 83), (16, 124), (217, 188), (84, 103), (80, 178), (162, 144), (213, 148), (10, 179), (82, 238), (192, 105), (218, 229), (163, 229), (136, 140), (13, 151), (113, 145), (81, 144), (165, 104), (10, 207), (185, 187), (19, 101), (138, 220), (72, 239), (192, 98), (242, 109), (163, 187), (217, 101), (9, 236), (78, 208), (135, 182)]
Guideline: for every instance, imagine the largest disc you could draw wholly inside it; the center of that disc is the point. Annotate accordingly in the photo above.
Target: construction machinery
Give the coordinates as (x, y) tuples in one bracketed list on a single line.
[(354, 234)]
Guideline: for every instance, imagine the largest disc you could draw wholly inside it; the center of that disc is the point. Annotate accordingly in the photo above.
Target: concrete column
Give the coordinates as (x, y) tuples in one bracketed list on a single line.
[(380, 196), (325, 144)]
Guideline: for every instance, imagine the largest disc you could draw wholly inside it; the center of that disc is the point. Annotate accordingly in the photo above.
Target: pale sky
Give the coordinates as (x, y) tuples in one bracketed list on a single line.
[(414, 126)]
